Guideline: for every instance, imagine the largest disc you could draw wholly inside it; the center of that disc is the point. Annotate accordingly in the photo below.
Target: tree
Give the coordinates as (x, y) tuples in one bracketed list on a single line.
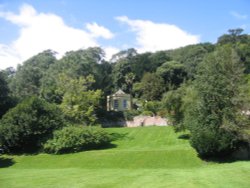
[(191, 56), (140, 64), (129, 79), (76, 64), (5, 100), (25, 127), (120, 70), (28, 77), (216, 118), (235, 32), (172, 101), (79, 103), (104, 80), (234, 36), (173, 73), (152, 87), (147, 62), (124, 54), (243, 50), (157, 59)]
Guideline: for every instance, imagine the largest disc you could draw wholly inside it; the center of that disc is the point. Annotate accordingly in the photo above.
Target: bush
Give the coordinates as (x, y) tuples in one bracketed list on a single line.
[(74, 139), (152, 106), (106, 116), (172, 101), (209, 142), (25, 127), (178, 103), (130, 114), (147, 113)]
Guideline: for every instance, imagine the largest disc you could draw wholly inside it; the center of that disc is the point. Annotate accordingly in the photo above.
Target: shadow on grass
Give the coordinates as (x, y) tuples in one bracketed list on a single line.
[(6, 162), (114, 137), (118, 136), (106, 146), (184, 136), (241, 154), (25, 153), (225, 159)]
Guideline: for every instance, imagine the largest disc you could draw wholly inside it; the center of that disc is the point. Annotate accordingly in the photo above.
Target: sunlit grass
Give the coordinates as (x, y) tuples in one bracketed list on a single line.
[(140, 157)]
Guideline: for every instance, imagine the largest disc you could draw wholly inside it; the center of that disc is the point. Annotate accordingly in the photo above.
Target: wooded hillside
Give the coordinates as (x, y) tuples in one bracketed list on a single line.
[(203, 88)]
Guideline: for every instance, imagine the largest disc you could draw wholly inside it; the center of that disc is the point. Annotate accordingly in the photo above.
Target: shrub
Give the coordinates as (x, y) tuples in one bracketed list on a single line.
[(25, 127), (147, 113), (152, 106), (130, 114), (211, 142), (106, 116), (172, 101), (178, 103), (74, 139)]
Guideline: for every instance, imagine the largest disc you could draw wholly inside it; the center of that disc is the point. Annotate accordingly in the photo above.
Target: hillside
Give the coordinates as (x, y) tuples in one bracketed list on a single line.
[(148, 157)]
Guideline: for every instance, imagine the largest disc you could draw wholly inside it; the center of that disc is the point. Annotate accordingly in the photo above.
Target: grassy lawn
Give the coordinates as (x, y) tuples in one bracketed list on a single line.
[(141, 157)]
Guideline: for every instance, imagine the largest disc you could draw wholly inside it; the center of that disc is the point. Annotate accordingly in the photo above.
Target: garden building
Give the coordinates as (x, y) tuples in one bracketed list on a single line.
[(119, 101)]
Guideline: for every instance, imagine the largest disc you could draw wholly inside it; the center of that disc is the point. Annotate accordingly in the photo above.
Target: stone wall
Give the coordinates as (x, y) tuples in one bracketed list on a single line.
[(140, 121)]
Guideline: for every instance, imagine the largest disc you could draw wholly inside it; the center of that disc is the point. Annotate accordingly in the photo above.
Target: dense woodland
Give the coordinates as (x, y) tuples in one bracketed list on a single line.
[(202, 88)]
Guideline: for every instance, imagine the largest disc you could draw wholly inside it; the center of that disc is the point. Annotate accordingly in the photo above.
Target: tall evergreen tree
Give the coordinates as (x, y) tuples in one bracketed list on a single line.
[(217, 118)]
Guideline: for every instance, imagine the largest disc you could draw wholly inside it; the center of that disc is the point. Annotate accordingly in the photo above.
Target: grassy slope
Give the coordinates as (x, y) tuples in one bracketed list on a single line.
[(148, 157)]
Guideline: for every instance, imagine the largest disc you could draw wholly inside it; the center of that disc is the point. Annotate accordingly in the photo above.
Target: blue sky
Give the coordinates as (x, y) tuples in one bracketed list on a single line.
[(29, 27)]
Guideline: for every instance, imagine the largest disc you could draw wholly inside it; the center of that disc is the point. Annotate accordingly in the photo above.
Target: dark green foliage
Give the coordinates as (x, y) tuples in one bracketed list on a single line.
[(216, 120), (136, 64), (152, 106), (241, 43), (157, 59), (234, 36), (243, 50), (173, 73), (213, 141), (179, 104), (172, 101), (130, 114), (147, 113), (104, 80), (75, 64), (140, 64), (147, 62), (6, 102), (81, 62), (120, 70), (191, 56), (28, 78), (152, 87), (74, 139), (25, 127)]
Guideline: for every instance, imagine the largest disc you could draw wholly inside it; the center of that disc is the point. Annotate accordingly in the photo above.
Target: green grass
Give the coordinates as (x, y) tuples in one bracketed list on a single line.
[(142, 157)]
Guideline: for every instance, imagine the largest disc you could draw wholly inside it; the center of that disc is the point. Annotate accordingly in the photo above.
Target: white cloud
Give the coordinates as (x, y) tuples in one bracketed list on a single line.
[(99, 31), (152, 36), (238, 15), (8, 57), (110, 51), (42, 31)]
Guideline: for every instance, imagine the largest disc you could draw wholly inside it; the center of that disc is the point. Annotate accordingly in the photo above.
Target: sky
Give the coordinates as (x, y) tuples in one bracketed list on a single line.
[(30, 27)]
